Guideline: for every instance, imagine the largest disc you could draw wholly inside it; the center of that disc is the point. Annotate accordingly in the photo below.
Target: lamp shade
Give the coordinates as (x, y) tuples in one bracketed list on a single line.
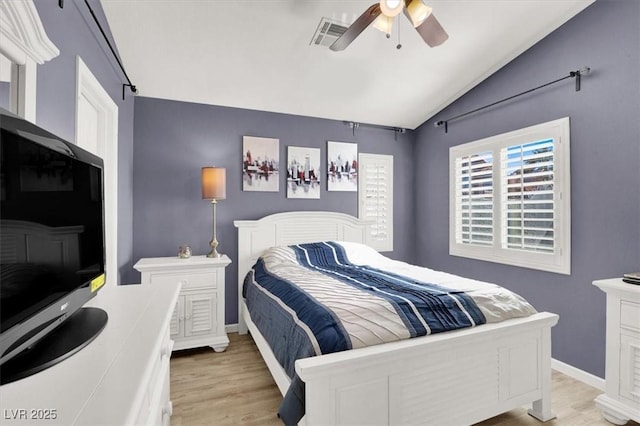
[(214, 183)]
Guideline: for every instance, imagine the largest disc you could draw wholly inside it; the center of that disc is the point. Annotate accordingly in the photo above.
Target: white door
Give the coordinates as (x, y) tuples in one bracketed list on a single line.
[(97, 132)]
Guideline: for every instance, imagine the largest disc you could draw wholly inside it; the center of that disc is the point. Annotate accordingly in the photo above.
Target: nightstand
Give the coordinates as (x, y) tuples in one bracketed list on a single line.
[(198, 318), (621, 400)]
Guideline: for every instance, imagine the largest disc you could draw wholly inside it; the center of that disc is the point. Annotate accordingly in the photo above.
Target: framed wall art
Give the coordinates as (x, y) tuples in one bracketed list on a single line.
[(303, 172), (260, 164), (342, 166)]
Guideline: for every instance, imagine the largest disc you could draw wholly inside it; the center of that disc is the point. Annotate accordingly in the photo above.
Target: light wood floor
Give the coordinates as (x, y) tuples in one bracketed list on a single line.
[(235, 388)]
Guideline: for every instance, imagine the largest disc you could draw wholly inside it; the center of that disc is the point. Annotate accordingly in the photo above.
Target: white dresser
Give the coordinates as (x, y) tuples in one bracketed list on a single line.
[(621, 401), (198, 317), (120, 378)]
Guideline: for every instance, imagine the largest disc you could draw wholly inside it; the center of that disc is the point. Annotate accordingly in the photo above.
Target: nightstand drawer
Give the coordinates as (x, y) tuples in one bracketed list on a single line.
[(188, 281), (630, 315)]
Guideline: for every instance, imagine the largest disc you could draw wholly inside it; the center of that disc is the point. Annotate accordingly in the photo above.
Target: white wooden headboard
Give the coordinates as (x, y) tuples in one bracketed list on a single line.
[(255, 236)]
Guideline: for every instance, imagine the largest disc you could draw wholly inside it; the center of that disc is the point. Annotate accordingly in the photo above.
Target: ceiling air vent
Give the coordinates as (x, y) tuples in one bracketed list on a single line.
[(327, 32)]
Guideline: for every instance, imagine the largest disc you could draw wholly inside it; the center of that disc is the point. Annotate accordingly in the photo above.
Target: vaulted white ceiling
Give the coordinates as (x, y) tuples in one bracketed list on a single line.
[(257, 54)]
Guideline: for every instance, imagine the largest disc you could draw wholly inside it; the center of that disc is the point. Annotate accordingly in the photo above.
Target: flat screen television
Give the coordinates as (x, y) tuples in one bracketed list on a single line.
[(52, 256)]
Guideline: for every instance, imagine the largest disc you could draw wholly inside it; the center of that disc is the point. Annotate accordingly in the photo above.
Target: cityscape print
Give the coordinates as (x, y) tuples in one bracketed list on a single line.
[(260, 164), (303, 172), (342, 166)]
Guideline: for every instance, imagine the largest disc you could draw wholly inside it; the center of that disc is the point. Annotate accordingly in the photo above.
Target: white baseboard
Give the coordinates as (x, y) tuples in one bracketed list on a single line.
[(577, 374), (231, 328)]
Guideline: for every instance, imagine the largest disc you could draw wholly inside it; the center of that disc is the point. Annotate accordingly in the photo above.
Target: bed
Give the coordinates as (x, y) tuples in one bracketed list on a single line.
[(455, 377)]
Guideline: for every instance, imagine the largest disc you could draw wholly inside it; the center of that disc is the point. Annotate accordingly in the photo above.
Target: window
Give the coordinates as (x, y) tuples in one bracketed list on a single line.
[(375, 198), (510, 198)]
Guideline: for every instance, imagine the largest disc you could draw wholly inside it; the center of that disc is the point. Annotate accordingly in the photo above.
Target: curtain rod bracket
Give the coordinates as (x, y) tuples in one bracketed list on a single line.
[(132, 87), (442, 123), (578, 76)]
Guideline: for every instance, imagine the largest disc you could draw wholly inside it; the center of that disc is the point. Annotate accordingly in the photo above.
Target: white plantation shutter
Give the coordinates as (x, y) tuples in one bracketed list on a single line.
[(375, 198), (510, 198), (528, 196), (474, 199)]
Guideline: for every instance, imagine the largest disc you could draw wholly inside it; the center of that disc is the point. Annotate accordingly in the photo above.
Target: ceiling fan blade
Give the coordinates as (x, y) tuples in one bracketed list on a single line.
[(432, 32), (358, 26)]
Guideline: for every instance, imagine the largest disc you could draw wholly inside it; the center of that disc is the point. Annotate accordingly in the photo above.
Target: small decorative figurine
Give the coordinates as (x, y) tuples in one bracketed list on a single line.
[(184, 252)]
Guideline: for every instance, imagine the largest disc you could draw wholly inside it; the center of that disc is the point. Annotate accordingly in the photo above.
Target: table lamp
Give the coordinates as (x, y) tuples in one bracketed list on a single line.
[(214, 184)]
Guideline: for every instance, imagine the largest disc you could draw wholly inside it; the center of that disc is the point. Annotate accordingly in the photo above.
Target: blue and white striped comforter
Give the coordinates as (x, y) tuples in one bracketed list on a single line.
[(318, 298)]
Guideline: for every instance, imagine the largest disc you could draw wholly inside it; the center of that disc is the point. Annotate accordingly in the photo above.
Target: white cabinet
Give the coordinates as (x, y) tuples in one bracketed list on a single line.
[(120, 378), (621, 400), (198, 317)]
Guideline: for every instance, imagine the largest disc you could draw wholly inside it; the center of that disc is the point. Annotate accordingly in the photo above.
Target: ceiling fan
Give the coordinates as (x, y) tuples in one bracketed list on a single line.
[(381, 15)]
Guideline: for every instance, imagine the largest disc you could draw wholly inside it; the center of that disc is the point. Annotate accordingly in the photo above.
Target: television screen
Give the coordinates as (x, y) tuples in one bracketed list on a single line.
[(51, 233)]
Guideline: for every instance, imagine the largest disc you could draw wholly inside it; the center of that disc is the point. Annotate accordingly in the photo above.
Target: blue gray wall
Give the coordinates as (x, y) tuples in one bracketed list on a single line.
[(74, 32), (173, 140), (605, 177), (160, 206)]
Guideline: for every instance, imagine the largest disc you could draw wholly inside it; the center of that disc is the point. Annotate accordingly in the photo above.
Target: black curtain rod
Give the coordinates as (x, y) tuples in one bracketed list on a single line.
[(354, 126), (129, 84), (573, 74)]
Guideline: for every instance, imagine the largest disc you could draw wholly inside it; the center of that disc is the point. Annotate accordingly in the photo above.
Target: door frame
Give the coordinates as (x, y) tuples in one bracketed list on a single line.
[(90, 89)]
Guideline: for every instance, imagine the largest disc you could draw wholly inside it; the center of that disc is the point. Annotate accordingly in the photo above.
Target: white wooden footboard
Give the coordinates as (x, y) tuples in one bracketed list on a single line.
[(455, 378)]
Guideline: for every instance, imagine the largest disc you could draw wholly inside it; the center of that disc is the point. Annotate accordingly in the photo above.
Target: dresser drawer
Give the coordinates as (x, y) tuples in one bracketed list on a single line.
[(156, 397), (188, 281), (161, 363), (630, 315)]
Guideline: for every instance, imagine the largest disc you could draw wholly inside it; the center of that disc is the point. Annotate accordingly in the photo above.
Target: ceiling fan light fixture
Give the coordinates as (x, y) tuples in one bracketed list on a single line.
[(418, 12), (391, 8), (383, 23), (382, 14)]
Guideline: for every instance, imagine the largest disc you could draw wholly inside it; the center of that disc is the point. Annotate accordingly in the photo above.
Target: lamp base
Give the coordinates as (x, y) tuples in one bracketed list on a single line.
[(214, 241), (214, 249), (214, 254)]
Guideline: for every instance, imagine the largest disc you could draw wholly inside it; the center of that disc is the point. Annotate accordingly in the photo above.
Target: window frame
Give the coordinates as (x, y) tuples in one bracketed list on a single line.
[(560, 260)]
